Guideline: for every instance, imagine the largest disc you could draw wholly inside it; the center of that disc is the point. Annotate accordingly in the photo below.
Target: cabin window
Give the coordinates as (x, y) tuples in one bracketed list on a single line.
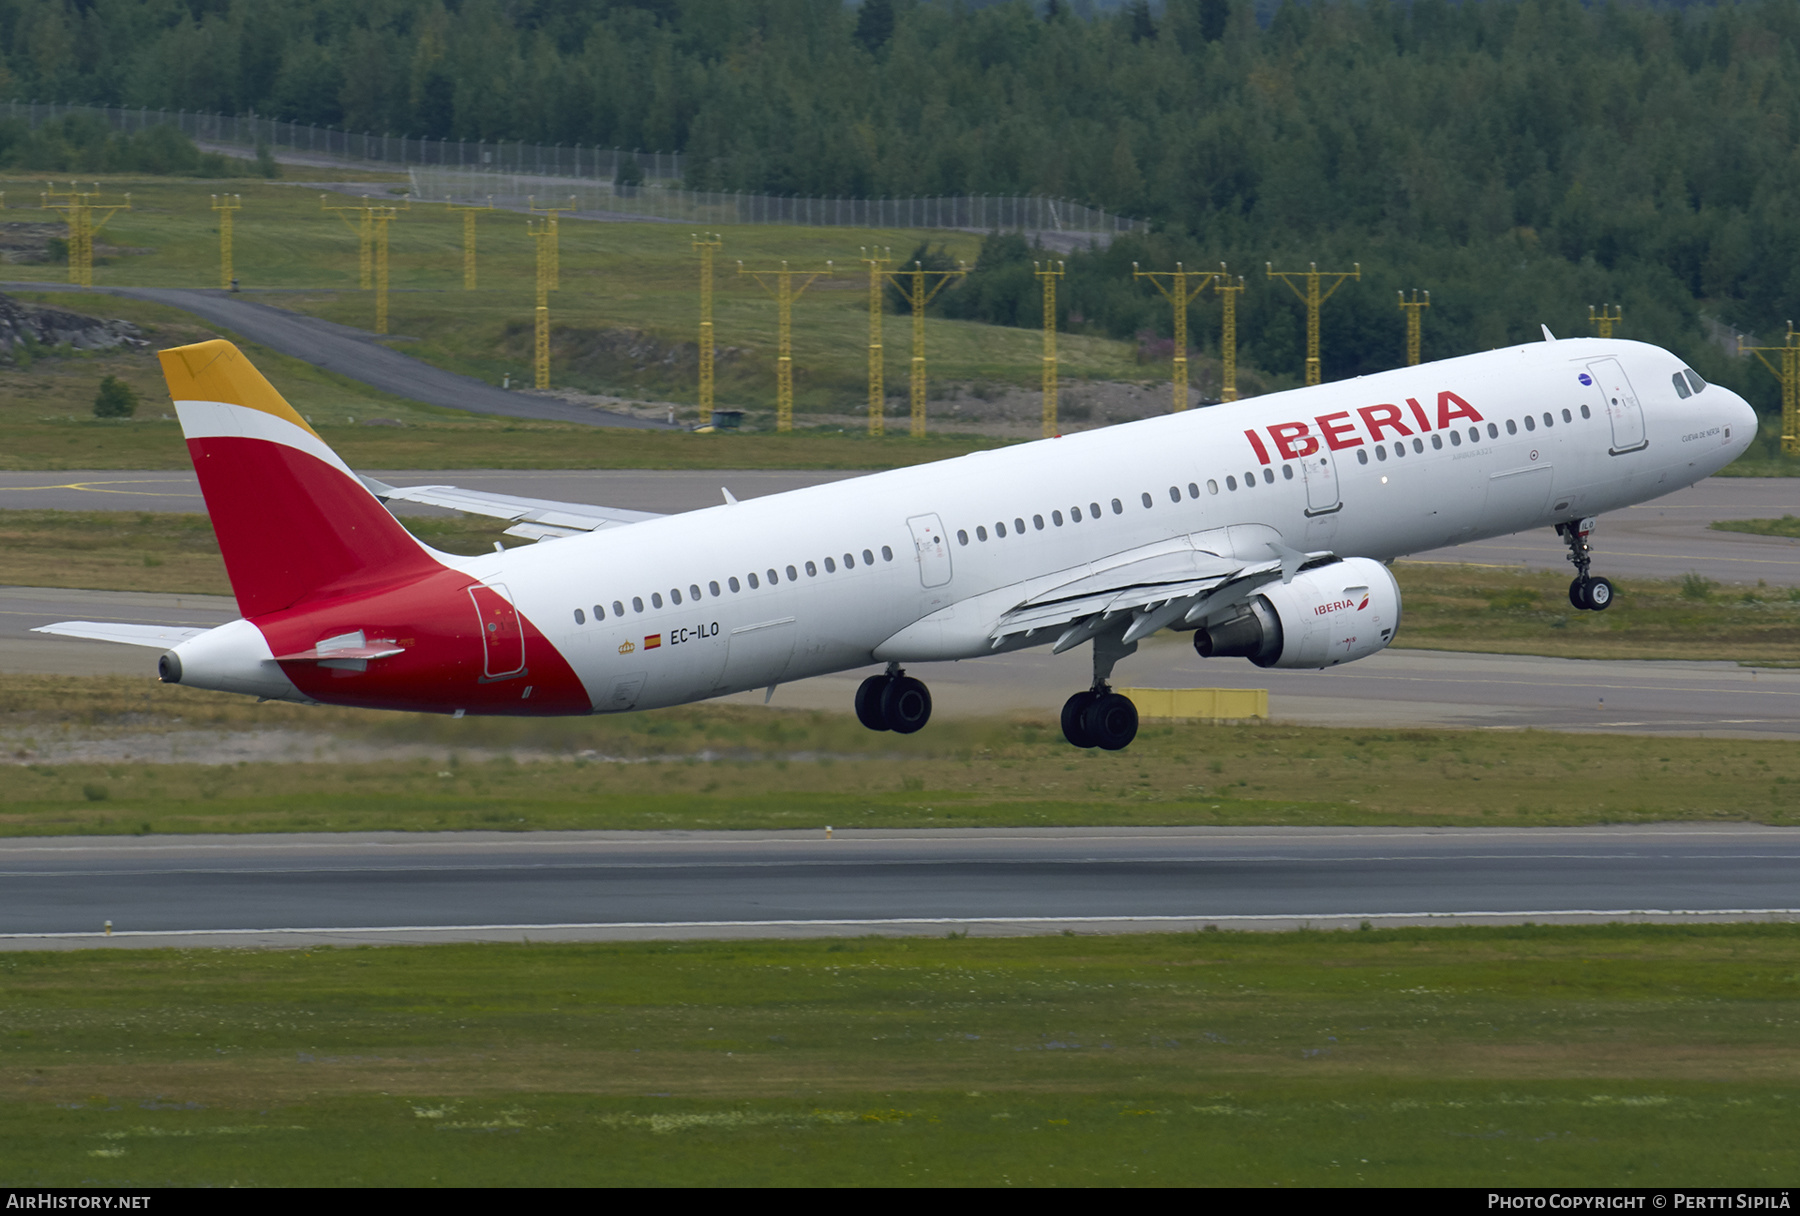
[(887, 554), (694, 592), (1212, 487), (714, 588), (619, 609), (1399, 448), (1512, 428), (1437, 441), (637, 603), (1693, 378), (830, 566), (599, 613), (1056, 518), (774, 578), (1118, 507), (1566, 417), (675, 594), (580, 617), (1362, 457), (1530, 423), (1019, 526), (1094, 509), (1230, 483), (1249, 480), (793, 574), (1174, 494), (812, 571), (980, 532), (753, 583), (1268, 475), (1381, 452), (1287, 472), (869, 558), (1493, 431), (849, 561), (1584, 412), (1000, 530), (1145, 496), (1075, 514), (1418, 445), (1549, 419), (733, 583), (1037, 521), (656, 599), (1193, 490)]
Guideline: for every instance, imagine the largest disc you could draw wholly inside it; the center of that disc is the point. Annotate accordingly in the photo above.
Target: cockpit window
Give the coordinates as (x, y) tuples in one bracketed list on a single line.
[(1693, 378), (1681, 386)]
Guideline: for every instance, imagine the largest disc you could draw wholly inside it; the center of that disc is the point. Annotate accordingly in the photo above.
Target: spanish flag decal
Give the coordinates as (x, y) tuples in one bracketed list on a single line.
[(653, 641)]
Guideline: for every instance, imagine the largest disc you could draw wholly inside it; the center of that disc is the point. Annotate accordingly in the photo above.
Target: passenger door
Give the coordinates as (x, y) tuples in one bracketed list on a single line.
[(502, 640), (1621, 405), (931, 549)]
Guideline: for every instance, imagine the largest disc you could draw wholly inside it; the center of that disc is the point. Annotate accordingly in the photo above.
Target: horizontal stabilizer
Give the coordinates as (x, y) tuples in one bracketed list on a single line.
[(160, 636), (546, 519)]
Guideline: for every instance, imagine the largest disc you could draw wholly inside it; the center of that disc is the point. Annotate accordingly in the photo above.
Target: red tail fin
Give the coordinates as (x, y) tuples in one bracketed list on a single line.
[(293, 521)]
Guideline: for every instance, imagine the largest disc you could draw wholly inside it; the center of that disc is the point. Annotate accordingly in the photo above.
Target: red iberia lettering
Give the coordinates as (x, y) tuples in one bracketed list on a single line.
[(1339, 435), (1447, 415), (1418, 412), (1382, 417), (1293, 440), (1262, 453)]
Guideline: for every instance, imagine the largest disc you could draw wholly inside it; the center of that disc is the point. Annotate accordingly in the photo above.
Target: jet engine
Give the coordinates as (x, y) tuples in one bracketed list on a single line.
[(1325, 616)]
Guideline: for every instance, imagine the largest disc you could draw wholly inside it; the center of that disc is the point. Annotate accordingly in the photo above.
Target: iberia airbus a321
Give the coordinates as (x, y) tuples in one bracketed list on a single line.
[(1261, 526)]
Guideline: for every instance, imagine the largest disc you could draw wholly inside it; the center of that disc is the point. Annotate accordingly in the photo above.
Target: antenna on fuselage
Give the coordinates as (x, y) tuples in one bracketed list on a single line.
[(1548, 336)]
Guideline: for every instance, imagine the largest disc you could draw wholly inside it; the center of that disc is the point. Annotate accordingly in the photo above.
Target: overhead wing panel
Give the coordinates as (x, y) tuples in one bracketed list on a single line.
[(160, 636), (547, 518)]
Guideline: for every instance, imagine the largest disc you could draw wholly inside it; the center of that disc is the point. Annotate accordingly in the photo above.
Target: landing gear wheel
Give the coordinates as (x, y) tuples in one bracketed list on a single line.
[(1073, 716), (905, 705), (1111, 721), (1578, 594), (1599, 594), (868, 702)]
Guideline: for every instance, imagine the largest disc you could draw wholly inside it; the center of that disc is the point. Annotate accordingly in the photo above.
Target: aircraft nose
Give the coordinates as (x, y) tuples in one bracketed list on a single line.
[(1741, 417)]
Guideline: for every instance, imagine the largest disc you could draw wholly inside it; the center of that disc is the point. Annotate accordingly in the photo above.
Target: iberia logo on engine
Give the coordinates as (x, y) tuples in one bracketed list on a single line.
[(1340, 605)]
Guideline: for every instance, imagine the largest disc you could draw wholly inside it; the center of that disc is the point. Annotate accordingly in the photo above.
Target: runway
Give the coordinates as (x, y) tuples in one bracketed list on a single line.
[(567, 886), (1663, 539)]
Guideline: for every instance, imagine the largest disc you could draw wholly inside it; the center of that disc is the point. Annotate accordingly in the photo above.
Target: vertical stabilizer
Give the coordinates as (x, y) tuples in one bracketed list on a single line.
[(293, 521)]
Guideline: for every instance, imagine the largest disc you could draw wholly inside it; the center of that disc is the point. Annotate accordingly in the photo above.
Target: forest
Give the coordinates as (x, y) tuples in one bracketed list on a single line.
[(1520, 159)]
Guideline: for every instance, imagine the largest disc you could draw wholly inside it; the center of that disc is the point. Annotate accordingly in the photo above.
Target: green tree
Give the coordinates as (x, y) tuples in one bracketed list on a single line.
[(115, 399)]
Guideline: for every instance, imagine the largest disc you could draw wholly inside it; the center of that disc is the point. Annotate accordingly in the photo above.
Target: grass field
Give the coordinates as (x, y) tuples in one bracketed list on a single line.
[(730, 766), (1447, 607), (1605, 1056), (625, 319), (1787, 525)]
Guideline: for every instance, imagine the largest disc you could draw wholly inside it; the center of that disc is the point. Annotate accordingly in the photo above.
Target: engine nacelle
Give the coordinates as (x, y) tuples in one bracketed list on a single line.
[(1326, 616)]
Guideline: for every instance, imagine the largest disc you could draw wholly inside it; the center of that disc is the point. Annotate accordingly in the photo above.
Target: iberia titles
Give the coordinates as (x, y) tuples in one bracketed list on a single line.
[(1340, 430)]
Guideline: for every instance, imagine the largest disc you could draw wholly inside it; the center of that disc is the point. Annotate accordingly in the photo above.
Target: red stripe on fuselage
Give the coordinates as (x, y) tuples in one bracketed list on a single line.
[(443, 668)]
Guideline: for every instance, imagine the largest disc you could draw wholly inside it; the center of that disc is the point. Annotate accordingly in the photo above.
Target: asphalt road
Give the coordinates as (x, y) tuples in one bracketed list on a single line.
[(289, 890), (1663, 539), (355, 353)]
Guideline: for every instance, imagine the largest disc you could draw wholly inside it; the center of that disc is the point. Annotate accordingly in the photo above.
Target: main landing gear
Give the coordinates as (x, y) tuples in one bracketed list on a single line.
[(1100, 717), (893, 701), (1588, 593)]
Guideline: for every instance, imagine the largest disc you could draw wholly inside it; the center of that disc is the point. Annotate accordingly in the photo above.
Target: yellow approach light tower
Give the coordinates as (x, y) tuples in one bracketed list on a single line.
[(785, 294), (707, 245), (1312, 298), (1608, 316), (1047, 274), (225, 205), (469, 212), (1180, 294), (364, 228), (551, 215), (1228, 334), (1414, 337), (1786, 367), (919, 296), (544, 233), (877, 261), (79, 208)]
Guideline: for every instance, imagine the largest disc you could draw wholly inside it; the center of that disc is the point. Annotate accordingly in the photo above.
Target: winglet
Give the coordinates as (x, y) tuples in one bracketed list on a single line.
[(730, 498), (1548, 336)]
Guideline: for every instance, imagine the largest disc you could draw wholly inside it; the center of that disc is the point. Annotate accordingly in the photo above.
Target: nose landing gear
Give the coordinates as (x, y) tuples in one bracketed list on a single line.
[(1587, 592), (893, 701)]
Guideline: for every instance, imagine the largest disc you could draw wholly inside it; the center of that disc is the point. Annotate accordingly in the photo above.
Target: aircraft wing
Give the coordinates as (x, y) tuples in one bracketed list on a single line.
[(160, 636), (1155, 589), (532, 518)]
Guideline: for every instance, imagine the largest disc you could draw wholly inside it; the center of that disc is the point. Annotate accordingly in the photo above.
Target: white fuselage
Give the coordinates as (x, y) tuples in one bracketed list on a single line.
[(946, 540)]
